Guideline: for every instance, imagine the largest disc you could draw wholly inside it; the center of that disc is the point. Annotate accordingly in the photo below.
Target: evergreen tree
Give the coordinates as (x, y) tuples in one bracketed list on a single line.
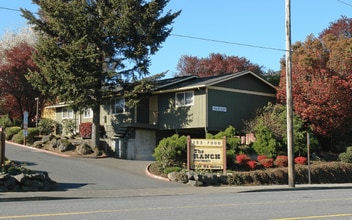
[(86, 46)]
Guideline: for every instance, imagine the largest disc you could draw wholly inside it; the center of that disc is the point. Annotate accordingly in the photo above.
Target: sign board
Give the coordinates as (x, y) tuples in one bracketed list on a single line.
[(219, 109), (25, 123), (206, 154)]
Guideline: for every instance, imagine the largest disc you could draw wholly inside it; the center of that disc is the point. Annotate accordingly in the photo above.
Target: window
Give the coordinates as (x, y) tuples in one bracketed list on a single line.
[(67, 113), (184, 98), (88, 113), (119, 106)]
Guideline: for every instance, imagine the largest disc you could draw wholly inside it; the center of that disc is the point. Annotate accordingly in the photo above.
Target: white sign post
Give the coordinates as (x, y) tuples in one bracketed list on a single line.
[(25, 126)]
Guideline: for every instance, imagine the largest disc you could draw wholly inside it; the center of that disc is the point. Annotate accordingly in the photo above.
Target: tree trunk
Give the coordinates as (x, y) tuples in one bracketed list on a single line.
[(96, 126)]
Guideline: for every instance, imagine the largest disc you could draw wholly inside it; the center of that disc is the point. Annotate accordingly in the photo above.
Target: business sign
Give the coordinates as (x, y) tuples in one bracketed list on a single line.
[(209, 154)]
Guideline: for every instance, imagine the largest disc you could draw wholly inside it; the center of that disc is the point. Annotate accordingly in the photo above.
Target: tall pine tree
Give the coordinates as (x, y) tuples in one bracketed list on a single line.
[(86, 45)]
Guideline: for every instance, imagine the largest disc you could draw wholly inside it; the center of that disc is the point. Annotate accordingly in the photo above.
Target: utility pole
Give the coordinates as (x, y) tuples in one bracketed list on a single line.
[(289, 101)]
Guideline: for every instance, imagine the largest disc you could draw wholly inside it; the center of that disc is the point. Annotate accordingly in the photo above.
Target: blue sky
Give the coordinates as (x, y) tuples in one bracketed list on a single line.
[(247, 22)]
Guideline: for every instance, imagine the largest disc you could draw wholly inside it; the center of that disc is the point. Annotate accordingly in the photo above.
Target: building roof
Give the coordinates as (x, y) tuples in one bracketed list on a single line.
[(194, 82)]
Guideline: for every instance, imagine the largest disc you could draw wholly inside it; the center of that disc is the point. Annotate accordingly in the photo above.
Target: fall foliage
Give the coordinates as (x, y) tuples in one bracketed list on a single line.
[(321, 79), (17, 93), (214, 65)]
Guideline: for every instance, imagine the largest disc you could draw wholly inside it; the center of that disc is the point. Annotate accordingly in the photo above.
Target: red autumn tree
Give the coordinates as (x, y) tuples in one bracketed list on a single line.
[(215, 64), (17, 93), (321, 80)]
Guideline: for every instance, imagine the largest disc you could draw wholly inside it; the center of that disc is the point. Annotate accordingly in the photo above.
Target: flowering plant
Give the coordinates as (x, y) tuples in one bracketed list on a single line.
[(281, 161), (301, 160), (261, 157), (267, 163), (252, 164), (242, 159)]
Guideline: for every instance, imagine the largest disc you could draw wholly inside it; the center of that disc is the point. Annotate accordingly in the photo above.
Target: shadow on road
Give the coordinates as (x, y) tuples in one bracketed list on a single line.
[(68, 186)]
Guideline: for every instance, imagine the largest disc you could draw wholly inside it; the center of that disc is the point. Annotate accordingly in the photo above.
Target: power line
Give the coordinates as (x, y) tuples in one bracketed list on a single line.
[(344, 3), (197, 38), (228, 42), (9, 9)]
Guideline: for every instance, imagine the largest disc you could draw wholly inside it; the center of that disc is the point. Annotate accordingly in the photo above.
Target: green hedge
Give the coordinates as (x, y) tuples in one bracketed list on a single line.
[(11, 131), (32, 133), (328, 172)]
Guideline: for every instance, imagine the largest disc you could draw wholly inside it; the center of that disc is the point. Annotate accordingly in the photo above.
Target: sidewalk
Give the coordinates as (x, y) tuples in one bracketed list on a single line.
[(87, 194)]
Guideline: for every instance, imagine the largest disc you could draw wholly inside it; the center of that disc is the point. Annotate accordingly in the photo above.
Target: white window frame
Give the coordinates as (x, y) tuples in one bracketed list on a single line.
[(88, 113), (184, 98), (67, 113), (119, 103)]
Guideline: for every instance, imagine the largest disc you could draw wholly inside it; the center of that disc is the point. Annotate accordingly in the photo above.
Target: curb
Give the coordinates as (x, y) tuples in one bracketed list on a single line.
[(56, 153), (155, 176)]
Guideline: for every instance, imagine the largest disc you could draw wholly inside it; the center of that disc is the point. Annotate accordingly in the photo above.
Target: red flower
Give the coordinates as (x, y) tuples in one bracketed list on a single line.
[(252, 164), (281, 161), (301, 160), (261, 157), (267, 163), (242, 159)]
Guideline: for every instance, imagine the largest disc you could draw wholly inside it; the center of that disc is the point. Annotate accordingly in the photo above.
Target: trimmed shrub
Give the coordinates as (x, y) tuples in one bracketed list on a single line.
[(281, 161), (171, 151), (346, 157), (46, 126), (11, 131), (85, 129), (32, 133), (172, 169), (242, 159), (261, 157), (18, 138), (252, 164), (301, 160), (334, 172), (69, 126), (5, 121), (267, 163)]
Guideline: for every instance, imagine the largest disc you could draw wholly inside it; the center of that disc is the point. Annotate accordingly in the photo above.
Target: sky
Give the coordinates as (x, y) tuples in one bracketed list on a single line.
[(253, 29)]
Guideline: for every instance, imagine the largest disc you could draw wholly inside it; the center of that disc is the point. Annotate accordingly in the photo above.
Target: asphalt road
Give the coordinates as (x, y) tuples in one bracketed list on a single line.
[(120, 189)]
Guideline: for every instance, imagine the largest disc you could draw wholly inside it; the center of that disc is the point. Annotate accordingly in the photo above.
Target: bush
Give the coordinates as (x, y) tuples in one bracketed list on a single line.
[(346, 157), (301, 160), (242, 159), (32, 133), (172, 151), (11, 131), (46, 126), (172, 169), (252, 164), (261, 157), (69, 126), (5, 121), (335, 172), (85, 129), (267, 163), (281, 161), (266, 143)]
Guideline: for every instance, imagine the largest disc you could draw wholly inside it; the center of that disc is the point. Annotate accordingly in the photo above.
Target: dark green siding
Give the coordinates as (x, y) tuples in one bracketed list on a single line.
[(239, 107), (193, 116), (247, 82)]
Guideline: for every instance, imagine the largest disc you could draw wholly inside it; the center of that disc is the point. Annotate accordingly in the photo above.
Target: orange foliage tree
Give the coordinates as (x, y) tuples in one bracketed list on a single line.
[(215, 64), (321, 79)]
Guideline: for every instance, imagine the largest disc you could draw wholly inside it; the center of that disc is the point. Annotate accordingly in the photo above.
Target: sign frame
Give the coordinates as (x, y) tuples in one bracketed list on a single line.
[(205, 148)]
